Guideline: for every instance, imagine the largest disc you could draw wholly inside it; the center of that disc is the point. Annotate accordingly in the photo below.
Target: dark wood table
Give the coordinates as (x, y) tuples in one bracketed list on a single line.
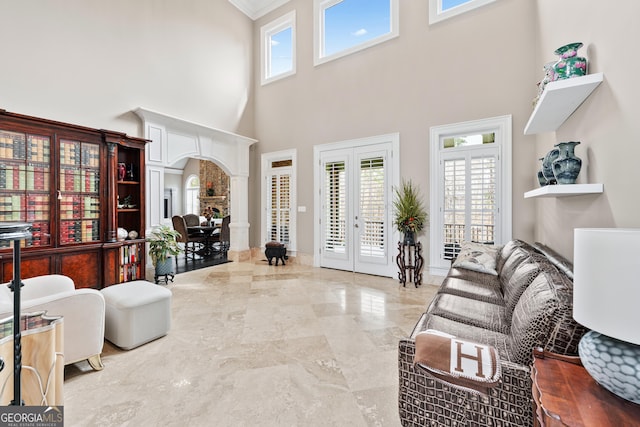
[(209, 238), (565, 394)]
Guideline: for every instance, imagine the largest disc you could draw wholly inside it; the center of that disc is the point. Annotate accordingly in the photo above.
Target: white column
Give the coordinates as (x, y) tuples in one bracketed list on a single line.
[(239, 211)]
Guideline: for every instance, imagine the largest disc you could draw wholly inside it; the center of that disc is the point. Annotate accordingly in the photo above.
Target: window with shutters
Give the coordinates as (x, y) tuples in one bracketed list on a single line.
[(336, 206), (469, 200), (279, 203), (470, 188), (372, 207)]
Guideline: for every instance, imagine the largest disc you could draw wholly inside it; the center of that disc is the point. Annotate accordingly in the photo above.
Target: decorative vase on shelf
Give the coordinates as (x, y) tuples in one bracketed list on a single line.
[(131, 173), (541, 179), (567, 166), (409, 238), (122, 171), (570, 65), (122, 233), (547, 165)]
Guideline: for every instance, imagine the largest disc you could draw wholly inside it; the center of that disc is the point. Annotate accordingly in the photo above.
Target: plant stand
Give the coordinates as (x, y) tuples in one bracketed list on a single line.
[(410, 261)]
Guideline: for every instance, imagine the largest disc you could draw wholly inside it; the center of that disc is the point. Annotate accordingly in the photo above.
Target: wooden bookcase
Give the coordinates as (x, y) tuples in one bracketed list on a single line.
[(63, 179)]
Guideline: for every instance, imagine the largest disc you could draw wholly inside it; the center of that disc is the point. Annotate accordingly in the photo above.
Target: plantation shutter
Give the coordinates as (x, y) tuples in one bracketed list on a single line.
[(372, 207), (469, 201), (483, 199), (335, 181), (280, 207)]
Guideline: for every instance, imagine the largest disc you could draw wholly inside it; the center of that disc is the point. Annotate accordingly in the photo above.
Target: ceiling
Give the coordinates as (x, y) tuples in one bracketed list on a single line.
[(255, 9)]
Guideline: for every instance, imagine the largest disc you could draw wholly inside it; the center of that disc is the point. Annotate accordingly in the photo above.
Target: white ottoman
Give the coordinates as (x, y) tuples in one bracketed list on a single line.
[(136, 312)]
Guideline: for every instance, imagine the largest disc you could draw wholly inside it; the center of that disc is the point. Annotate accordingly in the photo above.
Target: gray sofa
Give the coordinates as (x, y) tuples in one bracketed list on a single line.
[(525, 303)]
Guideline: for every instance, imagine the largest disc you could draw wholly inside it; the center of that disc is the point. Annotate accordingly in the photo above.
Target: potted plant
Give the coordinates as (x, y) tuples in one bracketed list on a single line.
[(410, 214), (163, 246)]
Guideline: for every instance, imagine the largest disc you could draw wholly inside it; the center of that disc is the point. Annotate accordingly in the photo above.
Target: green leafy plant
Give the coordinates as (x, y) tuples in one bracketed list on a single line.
[(163, 243), (410, 214)]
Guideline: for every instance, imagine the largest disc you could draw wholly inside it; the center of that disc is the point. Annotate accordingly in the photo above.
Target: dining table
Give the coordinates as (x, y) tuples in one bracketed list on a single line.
[(210, 237)]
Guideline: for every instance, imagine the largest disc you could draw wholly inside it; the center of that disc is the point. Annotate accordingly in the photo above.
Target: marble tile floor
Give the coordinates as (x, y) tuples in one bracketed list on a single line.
[(258, 345)]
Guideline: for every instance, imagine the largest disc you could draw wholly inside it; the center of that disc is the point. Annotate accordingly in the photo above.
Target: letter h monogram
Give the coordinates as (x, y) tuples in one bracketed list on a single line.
[(460, 355)]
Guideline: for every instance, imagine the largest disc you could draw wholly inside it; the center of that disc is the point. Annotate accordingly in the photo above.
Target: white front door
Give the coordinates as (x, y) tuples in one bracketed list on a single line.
[(355, 209)]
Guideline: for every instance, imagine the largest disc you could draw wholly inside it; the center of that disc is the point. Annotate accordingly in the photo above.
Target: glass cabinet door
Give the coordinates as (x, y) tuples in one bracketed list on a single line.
[(25, 177), (79, 192)]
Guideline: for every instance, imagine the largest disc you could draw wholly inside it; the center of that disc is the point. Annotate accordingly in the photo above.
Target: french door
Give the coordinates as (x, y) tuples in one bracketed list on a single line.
[(355, 209), (470, 187)]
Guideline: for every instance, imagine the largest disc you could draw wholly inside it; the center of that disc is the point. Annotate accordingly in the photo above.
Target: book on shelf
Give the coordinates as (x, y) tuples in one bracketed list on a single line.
[(129, 253), (12, 207), (12, 145)]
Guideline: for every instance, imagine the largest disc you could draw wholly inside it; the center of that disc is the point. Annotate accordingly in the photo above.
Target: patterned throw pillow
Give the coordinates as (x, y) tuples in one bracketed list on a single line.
[(477, 257)]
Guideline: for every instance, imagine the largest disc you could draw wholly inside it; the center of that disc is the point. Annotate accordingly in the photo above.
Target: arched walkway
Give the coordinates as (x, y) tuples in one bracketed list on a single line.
[(173, 139)]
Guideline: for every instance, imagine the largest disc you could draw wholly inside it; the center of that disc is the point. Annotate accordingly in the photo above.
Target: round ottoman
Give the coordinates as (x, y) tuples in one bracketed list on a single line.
[(136, 312)]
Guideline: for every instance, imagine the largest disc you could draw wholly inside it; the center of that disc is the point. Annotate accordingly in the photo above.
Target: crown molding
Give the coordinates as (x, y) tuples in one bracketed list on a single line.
[(255, 9)]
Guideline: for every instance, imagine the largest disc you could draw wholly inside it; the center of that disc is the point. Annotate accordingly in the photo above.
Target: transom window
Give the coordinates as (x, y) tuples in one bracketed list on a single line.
[(440, 10), (342, 27), (469, 140), (278, 48)]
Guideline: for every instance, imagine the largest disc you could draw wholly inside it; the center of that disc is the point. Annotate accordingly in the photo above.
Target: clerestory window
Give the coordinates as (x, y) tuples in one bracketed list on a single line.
[(278, 48), (440, 10), (342, 27)]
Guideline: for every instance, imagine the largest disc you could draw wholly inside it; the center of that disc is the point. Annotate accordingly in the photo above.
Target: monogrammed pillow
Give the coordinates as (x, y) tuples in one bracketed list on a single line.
[(465, 364)]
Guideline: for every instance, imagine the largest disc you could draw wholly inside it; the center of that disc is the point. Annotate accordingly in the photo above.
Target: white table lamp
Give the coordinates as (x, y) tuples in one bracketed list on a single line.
[(606, 299)]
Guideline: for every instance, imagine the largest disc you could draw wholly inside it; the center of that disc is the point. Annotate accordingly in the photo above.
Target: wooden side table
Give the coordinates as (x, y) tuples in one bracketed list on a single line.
[(42, 372), (410, 261), (565, 394)]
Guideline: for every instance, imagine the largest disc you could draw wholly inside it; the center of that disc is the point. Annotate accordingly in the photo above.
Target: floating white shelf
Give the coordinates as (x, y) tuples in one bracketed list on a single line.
[(559, 100), (565, 190)]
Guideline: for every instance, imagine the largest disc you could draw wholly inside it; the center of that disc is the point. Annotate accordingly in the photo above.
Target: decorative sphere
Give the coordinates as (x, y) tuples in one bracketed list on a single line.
[(133, 234), (122, 233)]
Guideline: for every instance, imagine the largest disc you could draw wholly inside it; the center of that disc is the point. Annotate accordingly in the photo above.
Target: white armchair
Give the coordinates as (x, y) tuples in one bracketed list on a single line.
[(83, 311)]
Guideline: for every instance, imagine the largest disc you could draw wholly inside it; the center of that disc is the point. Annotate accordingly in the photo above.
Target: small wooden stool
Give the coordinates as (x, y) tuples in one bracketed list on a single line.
[(275, 250)]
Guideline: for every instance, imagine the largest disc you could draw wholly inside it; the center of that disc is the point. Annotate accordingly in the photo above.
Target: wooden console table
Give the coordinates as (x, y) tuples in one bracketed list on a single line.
[(565, 394), (410, 261)]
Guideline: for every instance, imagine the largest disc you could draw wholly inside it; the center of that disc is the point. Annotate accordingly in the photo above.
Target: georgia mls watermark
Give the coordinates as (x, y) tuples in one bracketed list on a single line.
[(31, 416)]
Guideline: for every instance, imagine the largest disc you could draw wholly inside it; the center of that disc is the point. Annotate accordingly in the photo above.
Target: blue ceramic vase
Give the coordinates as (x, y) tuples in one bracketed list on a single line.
[(547, 165), (567, 166), (541, 179)]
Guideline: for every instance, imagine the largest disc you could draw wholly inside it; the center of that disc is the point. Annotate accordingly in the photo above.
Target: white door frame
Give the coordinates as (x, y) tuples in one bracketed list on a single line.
[(501, 125), (393, 181), (265, 173)]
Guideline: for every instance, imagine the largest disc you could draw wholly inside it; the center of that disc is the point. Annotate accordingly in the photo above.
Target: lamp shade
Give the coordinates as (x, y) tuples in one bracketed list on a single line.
[(606, 294)]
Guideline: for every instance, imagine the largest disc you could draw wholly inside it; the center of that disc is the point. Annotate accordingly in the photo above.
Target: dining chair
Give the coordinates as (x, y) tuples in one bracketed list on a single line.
[(222, 239), (192, 242), (192, 220)]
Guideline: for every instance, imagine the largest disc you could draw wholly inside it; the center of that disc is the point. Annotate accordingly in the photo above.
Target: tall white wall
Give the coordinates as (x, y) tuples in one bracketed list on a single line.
[(477, 65), (92, 62)]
